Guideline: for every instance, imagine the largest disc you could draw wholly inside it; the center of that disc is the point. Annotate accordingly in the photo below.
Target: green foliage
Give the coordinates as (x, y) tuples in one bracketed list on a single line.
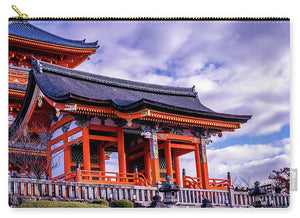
[(59, 204), (123, 203), (101, 202)]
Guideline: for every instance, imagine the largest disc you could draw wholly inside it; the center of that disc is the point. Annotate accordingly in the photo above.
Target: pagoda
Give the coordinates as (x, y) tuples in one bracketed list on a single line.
[(80, 117), (26, 40)]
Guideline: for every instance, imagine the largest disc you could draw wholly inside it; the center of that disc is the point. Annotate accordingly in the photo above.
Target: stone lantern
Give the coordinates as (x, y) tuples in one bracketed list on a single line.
[(257, 192), (169, 191)]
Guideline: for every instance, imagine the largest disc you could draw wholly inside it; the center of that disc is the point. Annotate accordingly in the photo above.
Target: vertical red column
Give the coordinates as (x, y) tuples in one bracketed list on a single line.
[(168, 157), (101, 157), (154, 159), (86, 148), (198, 162), (67, 154), (121, 150), (177, 168), (49, 164), (147, 160), (203, 162)]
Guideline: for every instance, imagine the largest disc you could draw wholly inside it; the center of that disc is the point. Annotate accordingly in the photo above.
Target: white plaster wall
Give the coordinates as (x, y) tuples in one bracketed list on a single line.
[(57, 144), (57, 133), (74, 136), (57, 164)]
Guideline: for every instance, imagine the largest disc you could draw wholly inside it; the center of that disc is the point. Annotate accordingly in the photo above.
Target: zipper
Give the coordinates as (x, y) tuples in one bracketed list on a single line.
[(23, 16)]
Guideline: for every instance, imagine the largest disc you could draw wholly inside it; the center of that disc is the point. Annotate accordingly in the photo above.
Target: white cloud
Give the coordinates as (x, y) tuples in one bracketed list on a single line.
[(254, 161), (238, 68)]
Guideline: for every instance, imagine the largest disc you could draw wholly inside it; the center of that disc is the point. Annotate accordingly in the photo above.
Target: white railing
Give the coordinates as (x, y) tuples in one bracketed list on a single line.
[(46, 189), (195, 197), (243, 199)]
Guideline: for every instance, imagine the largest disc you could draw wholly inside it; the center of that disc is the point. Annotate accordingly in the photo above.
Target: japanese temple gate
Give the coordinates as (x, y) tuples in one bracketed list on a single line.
[(146, 149), (82, 118)]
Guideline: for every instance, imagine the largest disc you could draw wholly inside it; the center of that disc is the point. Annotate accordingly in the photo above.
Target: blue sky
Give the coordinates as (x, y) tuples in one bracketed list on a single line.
[(237, 67)]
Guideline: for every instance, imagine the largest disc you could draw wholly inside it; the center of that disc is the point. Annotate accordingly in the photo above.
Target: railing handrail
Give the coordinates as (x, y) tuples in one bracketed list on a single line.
[(139, 177), (22, 187)]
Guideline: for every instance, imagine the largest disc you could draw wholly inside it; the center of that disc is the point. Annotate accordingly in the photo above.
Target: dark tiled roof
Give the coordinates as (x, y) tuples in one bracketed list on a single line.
[(17, 86), (26, 30), (66, 85)]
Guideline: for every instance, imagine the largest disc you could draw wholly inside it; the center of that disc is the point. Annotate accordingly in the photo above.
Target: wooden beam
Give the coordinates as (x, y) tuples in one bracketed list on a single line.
[(103, 128), (136, 155), (183, 146), (103, 138), (183, 152), (170, 137), (61, 122), (139, 146), (108, 144)]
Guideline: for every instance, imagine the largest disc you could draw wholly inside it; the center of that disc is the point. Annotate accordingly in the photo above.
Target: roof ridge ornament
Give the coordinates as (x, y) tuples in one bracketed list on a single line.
[(194, 91), (37, 64)]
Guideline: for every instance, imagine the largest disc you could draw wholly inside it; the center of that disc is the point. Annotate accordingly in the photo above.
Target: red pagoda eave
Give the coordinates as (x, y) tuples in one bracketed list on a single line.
[(63, 55), (146, 114), (44, 45)]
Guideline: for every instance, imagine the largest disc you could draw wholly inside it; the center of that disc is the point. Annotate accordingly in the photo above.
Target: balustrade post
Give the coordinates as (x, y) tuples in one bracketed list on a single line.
[(63, 191), (22, 188), (84, 193), (29, 189), (77, 192), (43, 190), (50, 189), (96, 196), (56, 190), (90, 193), (131, 194), (115, 193), (35, 188), (70, 191), (120, 193), (15, 187), (126, 194), (231, 196), (102, 193)]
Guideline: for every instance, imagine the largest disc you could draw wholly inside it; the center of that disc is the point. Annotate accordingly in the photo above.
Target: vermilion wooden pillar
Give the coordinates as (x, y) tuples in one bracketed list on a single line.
[(203, 163), (168, 157), (86, 148), (155, 171), (101, 157), (147, 160), (121, 150), (67, 154), (177, 168), (197, 161), (49, 160)]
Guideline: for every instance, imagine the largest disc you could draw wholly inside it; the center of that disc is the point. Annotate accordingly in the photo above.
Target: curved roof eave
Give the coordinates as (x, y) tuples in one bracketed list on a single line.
[(24, 29)]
